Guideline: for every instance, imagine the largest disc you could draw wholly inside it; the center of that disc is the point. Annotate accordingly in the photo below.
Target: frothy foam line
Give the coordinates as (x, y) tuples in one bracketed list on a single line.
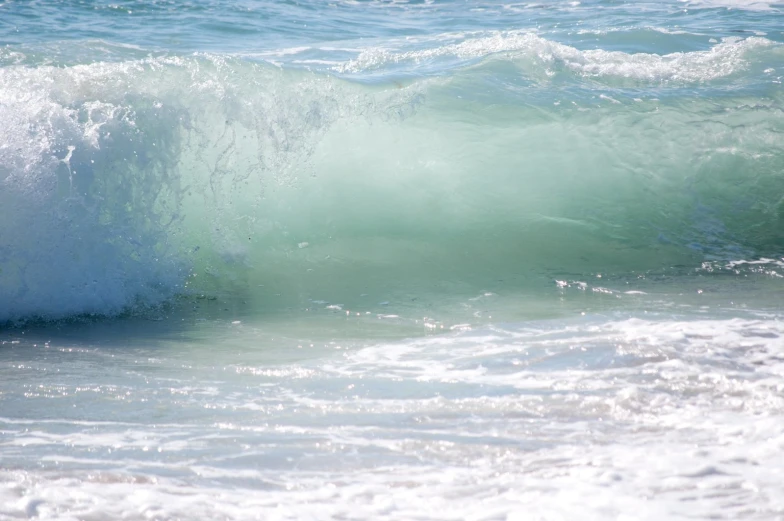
[(749, 5), (721, 60), (704, 395)]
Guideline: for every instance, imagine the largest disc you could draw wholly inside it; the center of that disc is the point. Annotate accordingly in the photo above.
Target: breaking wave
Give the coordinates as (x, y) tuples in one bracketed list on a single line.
[(124, 183)]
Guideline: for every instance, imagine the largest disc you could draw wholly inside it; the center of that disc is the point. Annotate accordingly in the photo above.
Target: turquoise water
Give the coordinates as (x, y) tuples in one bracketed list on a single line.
[(394, 260)]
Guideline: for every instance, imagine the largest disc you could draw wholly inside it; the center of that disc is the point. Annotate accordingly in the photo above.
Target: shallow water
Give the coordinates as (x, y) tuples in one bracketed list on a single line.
[(662, 413), (391, 260)]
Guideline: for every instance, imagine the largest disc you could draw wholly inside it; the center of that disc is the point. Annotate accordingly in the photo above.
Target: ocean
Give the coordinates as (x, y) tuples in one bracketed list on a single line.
[(391, 260)]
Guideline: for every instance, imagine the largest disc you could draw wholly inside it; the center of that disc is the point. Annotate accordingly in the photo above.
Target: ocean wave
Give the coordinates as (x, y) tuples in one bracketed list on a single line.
[(125, 183)]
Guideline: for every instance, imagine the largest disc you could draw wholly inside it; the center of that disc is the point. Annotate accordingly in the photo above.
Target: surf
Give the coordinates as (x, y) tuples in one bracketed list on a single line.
[(518, 159)]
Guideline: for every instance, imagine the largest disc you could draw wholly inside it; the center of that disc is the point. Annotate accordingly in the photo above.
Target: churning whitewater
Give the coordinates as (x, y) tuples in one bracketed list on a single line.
[(391, 260)]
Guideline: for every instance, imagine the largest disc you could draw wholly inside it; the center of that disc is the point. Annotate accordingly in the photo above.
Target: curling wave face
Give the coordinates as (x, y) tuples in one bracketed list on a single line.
[(491, 157)]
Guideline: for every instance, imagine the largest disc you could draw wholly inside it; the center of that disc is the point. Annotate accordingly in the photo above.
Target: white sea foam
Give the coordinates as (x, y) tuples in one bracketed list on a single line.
[(676, 419), (723, 59), (753, 5)]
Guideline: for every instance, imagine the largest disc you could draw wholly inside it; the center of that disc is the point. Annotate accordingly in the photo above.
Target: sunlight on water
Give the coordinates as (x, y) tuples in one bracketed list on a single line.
[(391, 260)]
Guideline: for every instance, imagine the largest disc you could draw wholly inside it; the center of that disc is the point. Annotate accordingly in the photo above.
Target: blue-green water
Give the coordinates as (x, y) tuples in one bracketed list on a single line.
[(402, 260)]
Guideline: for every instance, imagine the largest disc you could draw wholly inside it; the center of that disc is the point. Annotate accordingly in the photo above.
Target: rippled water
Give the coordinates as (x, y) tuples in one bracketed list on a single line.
[(391, 260)]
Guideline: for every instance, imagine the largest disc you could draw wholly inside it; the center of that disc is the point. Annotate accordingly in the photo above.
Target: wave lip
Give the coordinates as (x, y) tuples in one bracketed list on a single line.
[(723, 59)]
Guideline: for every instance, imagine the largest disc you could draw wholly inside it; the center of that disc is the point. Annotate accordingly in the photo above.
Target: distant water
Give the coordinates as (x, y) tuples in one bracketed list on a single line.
[(391, 260)]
